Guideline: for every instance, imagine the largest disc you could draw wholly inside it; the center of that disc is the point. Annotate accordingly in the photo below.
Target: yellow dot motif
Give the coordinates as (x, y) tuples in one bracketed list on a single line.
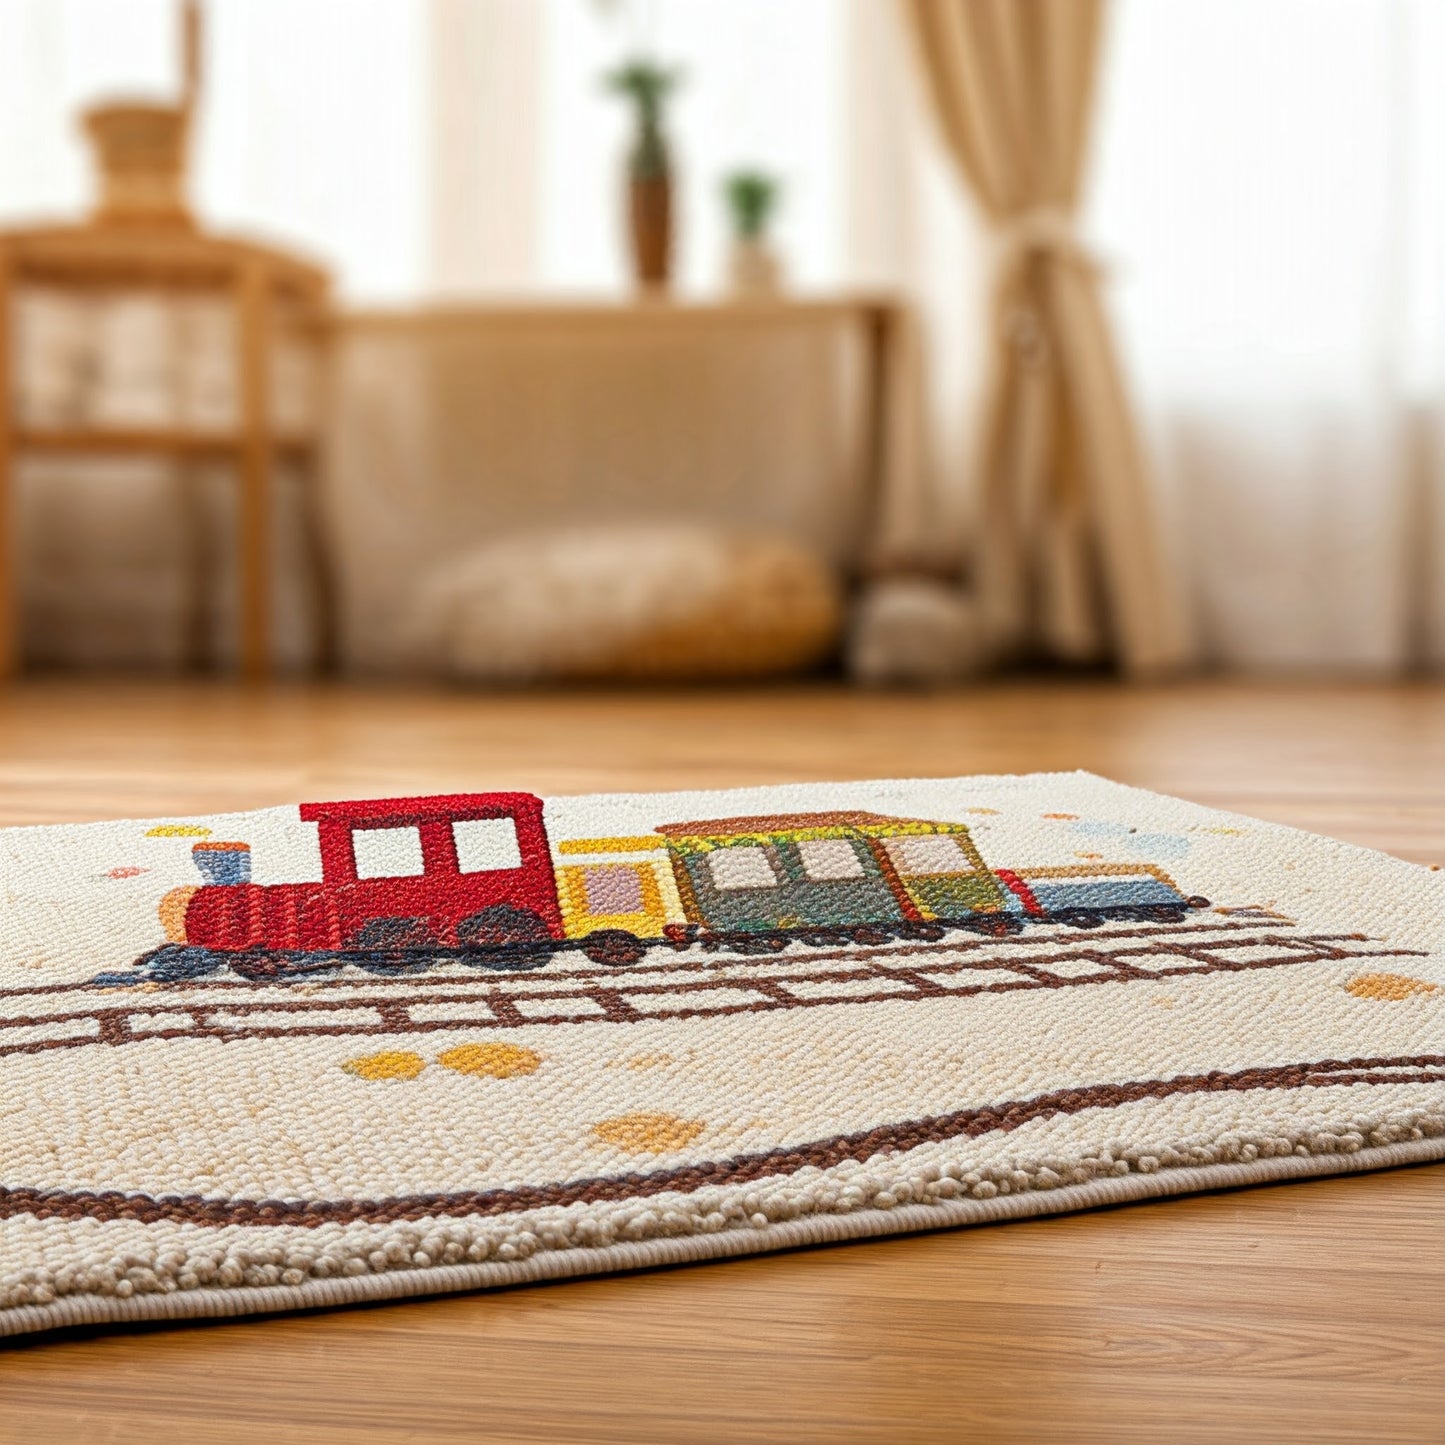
[(647, 1061), (398, 1064), (648, 1133), (492, 1061), (1388, 987)]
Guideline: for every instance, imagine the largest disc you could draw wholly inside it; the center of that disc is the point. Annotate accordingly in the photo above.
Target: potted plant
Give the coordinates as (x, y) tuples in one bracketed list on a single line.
[(753, 267), (649, 167)]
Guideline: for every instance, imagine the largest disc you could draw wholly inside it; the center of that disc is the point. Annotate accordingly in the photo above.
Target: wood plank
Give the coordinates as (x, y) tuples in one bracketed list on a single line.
[(75, 441), (9, 581), (1303, 1311)]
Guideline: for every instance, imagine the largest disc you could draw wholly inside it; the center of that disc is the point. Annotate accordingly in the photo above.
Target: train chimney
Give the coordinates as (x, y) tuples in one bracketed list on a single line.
[(223, 863)]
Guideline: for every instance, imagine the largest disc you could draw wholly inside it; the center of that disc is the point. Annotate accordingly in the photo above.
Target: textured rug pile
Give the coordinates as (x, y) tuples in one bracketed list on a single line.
[(358, 1050)]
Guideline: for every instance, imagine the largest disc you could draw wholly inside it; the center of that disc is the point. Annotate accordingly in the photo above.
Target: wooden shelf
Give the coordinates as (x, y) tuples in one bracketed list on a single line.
[(80, 441), (97, 255), (641, 312)]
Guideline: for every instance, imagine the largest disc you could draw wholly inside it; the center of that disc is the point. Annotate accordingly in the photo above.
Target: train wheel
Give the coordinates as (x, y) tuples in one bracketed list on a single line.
[(259, 967), (1197, 902), (993, 925), (615, 947), (923, 932), (389, 933), (756, 944), (500, 924), (1078, 918), (870, 934), (1164, 913), (820, 937)]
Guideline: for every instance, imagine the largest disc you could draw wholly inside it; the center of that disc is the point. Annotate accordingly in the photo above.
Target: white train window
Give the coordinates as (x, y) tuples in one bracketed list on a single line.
[(484, 844), (387, 852), (928, 853), (829, 860), (741, 867)]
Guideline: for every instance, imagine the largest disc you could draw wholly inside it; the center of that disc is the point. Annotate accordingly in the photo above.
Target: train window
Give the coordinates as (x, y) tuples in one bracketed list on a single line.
[(387, 852), (741, 867), (613, 888), (928, 853), (484, 844), (829, 860)]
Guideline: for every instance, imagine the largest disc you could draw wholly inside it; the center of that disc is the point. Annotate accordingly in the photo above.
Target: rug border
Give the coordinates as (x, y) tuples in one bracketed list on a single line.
[(181, 1305)]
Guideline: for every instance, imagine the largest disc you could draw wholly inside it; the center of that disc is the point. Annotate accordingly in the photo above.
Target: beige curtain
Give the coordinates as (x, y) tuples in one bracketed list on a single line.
[(1069, 558)]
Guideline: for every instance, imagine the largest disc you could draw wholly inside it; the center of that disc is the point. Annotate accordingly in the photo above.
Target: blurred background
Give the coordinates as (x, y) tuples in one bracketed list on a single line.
[(903, 340)]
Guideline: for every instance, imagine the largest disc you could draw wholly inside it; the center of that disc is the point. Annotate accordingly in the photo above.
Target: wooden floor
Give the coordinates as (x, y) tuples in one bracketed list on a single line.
[(1310, 1311)]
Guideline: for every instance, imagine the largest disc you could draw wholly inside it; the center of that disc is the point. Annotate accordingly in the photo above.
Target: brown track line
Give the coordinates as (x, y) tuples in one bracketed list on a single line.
[(740, 1169), (908, 973)]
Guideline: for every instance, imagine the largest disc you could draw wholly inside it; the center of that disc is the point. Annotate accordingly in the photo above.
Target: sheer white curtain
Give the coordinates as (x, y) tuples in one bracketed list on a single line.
[(1270, 187)]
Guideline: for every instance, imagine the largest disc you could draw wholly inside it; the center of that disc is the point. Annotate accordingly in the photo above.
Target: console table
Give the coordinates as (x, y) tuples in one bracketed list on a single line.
[(459, 423)]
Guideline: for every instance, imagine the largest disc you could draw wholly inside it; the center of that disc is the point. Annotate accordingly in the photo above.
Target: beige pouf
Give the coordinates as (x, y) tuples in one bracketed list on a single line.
[(629, 602)]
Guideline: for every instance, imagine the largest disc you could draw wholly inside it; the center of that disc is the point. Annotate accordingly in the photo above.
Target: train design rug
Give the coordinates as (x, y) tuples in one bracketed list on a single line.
[(360, 1050)]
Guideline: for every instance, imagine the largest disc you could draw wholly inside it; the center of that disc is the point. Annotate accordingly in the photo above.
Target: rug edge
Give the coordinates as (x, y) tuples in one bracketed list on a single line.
[(180, 1306)]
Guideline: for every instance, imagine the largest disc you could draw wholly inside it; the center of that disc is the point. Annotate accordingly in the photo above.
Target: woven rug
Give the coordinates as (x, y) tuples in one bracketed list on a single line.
[(360, 1050)]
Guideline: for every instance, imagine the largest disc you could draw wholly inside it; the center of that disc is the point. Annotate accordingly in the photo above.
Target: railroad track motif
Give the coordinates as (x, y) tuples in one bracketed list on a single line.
[(61, 1016)]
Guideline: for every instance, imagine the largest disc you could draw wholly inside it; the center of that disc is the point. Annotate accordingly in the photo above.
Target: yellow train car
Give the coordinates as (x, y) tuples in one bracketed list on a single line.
[(617, 889)]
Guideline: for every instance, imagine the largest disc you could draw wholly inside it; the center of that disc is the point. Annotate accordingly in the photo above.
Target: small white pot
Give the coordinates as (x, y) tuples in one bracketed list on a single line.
[(754, 269)]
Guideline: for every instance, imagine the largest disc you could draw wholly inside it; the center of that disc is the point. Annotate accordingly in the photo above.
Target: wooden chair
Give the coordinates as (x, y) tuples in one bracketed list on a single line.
[(142, 237)]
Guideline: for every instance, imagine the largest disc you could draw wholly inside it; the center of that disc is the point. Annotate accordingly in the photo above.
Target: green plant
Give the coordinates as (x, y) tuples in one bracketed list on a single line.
[(751, 196), (647, 85)]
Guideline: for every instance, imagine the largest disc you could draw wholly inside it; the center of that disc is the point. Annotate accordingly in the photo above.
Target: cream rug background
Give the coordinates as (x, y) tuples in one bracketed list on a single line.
[(222, 1143)]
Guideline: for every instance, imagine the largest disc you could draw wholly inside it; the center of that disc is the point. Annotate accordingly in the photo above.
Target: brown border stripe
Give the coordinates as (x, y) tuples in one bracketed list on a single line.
[(743, 1169), (216, 1302)]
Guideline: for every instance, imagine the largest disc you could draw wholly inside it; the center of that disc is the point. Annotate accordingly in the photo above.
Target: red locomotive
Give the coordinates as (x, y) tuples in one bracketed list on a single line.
[(417, 899)]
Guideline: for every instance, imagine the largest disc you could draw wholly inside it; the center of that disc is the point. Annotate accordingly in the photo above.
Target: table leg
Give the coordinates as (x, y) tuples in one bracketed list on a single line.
[(9, 578), (257, 461)]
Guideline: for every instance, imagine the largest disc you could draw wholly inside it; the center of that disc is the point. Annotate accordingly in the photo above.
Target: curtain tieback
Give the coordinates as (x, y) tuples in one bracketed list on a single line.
[(1037, 231), (1040, 228)]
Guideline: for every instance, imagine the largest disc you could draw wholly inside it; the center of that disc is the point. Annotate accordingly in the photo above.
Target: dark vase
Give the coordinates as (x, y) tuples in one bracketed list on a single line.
[(650, 214)]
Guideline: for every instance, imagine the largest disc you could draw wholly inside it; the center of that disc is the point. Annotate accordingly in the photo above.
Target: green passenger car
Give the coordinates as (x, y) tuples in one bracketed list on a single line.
[(757, 874)]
